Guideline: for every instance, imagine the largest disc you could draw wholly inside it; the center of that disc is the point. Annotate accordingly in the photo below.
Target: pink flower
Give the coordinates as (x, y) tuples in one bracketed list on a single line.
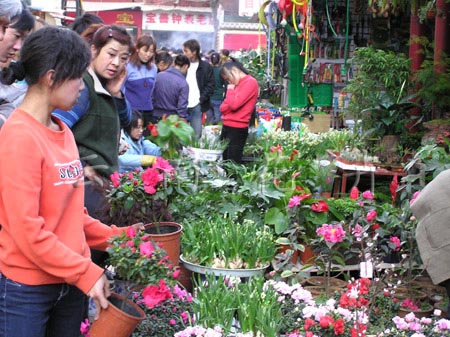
[(367, 195), (297, 199), (184, 316), (172, 322), (146, 248), (354, 193), (151, 177), (176, 273), (294, 201), (130, 243), (371, 215), (396, 241), (357, 231), (131, 232), (84, 328), (115, 178), (414, 197), (163, 165), (331, 233), (154, 295)]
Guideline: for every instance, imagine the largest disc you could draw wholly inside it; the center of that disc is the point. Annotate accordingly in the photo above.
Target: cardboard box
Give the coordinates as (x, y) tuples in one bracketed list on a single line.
[(320, 123)]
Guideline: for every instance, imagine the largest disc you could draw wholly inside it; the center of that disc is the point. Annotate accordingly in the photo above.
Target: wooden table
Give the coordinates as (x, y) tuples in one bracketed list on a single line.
[(345, 170)]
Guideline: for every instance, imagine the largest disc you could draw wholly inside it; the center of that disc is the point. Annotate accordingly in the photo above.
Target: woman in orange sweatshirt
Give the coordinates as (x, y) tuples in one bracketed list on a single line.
[(45, 265)]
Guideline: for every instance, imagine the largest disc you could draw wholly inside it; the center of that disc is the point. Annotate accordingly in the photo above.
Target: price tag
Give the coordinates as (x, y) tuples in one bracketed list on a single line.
[(366, 269)]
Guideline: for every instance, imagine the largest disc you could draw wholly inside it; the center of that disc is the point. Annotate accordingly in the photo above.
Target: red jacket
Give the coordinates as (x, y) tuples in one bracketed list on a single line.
[(239, 103)]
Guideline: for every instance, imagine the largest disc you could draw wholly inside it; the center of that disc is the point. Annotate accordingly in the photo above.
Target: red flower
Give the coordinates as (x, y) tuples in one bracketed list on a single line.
[(326, 321), (320, 207), (339, 326), (154, 295), (393, 188), (354, 193), (371, 215), (131, 233), (115, 178), (163, 165), (151, 177), (309, 323), (146, 248)]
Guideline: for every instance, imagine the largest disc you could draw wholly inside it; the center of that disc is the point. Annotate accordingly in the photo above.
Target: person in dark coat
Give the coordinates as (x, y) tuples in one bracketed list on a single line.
[(200, 78), (171, 92)]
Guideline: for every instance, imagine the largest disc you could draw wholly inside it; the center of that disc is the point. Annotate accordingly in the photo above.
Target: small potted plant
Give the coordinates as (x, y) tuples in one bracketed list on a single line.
[(168, 309), (144, 196), (138, 260), (170, 134), (208, 147)]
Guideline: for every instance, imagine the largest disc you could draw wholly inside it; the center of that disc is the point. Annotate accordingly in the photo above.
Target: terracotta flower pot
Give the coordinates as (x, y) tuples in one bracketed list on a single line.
[(168, 234), (308, 256), (119, 319)]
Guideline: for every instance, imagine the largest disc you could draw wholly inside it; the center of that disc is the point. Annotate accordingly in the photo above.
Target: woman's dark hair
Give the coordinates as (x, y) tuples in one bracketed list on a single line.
[(225, 69), (104, 33), (25, 22), (54, 48), (215, 58), (135, 117), (163, 56), (82, 22), (181, 60), (144, 41), (88, 33)]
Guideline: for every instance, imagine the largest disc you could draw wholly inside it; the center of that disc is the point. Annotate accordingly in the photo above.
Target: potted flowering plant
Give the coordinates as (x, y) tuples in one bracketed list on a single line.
[(227, 243), (137, 259), (170, 134), (145, 196), (142, 195), (329, 237), (168, 309), (410, 325)]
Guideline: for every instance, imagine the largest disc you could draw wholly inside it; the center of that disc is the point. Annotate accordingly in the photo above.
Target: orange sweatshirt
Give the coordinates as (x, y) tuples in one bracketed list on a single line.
[(46, 233)]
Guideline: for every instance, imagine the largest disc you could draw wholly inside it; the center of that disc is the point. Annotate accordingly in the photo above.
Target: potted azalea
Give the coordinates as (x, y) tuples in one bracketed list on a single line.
[(136, 259), (168, 309), (144, 196)]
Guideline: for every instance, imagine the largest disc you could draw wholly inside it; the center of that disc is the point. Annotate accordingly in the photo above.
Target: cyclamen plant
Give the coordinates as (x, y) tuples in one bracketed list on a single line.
[(411, 326)]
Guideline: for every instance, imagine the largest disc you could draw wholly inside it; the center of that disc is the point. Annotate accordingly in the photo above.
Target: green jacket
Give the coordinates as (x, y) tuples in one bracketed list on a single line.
[(97, 132)]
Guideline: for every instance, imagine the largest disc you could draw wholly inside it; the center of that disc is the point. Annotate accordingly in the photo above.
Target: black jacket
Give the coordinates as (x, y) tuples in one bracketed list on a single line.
[(206, 83)]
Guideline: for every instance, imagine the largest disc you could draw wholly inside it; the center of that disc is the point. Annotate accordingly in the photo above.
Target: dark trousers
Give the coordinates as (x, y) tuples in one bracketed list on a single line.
[(237, 138), (52, 310), (446, 285)]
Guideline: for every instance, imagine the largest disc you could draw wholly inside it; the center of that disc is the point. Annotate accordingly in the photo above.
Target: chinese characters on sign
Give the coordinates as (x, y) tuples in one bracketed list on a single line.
[(249, 7), (201, 22)]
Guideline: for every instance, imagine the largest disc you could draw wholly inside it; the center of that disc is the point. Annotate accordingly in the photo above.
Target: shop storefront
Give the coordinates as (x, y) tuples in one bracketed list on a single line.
[(172, 27)]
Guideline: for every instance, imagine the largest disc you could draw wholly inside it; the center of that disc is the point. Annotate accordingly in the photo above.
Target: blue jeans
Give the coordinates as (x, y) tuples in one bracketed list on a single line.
[(195, 119), (52, 310), (213, 115)]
